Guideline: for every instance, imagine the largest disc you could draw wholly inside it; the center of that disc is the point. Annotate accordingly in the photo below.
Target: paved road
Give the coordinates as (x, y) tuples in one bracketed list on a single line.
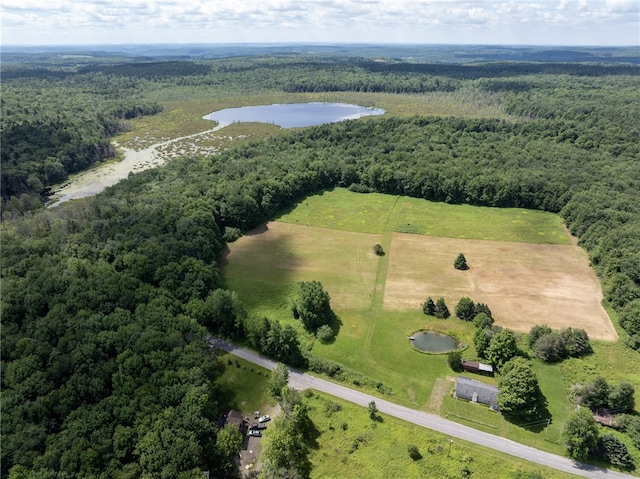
[(302, 381)]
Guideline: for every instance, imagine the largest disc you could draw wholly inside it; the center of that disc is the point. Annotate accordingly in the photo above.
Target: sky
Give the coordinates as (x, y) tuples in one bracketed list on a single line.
[(496, 22)]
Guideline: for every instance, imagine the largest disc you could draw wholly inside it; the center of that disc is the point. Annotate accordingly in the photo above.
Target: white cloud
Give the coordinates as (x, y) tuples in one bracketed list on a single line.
[(623, 6), (425, 21)]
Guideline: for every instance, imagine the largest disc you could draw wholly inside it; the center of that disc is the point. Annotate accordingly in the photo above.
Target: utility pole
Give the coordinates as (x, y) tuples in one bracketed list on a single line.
[(546, 429)]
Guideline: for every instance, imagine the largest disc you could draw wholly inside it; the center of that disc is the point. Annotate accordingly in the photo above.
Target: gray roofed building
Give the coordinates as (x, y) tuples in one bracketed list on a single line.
[(476, 391)]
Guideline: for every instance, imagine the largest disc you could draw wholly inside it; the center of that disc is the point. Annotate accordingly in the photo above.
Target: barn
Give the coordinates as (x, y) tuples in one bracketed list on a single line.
[(478, 368)]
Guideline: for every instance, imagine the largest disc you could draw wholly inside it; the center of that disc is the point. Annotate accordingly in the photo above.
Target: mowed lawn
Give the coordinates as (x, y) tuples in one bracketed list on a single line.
[(376, 213)]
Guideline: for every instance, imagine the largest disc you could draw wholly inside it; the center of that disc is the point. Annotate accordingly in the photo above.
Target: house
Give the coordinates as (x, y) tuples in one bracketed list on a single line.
[(478, 368), (476, 391), (234, 417)]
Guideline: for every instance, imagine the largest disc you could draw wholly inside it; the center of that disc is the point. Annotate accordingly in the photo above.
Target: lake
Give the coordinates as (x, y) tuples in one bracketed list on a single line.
[(293, 115)]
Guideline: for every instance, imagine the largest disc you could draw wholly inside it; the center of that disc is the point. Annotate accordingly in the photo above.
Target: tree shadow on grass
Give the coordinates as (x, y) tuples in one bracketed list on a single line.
[(537, 423), (335, 323)]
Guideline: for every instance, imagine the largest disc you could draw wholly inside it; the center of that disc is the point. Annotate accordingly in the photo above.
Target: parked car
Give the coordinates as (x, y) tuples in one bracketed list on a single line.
[(264, 418), (257, 425), (255, 432)]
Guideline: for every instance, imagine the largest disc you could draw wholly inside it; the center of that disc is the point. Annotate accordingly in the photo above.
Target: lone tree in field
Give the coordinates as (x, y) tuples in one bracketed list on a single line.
[(377, 249), (429, 307), (461, 263), (311, 305), (441, 311)]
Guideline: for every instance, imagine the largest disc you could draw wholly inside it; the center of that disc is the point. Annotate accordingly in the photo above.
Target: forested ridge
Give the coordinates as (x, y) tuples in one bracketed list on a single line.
[(105, 371)]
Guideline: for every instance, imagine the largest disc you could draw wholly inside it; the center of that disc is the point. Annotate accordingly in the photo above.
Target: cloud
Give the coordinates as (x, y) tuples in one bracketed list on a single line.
[(623, 6), (430, 21)]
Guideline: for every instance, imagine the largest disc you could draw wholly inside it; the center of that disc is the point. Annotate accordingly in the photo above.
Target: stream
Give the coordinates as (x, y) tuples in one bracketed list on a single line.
[(103, 175)]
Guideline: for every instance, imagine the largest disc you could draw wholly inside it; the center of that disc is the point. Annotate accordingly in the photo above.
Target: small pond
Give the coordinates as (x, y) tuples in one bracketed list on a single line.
[(432, 342), (293, 115)]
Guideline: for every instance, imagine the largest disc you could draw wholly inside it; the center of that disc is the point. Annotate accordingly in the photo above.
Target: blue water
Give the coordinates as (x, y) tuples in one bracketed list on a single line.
[(293, 115), (433, 342)]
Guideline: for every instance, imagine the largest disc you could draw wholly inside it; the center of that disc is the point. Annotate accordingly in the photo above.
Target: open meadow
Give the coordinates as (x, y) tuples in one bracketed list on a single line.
[(535, 276), (538, 276), (346, 443)]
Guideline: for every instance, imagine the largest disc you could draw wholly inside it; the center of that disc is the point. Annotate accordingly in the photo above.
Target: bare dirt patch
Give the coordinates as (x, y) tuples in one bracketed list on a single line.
[(523, 284), (439, 391)]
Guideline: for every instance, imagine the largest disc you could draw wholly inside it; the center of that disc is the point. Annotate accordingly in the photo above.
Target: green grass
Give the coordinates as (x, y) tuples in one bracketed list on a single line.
[(476, 222), (242, 386), (372, 341), (371, 212), (343, 210), (388, 356), (349, 445)]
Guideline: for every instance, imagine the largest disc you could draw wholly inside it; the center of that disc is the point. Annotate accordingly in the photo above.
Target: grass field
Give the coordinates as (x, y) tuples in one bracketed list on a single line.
[(537, 277), (242, 386), (376, 213), (349, 445)]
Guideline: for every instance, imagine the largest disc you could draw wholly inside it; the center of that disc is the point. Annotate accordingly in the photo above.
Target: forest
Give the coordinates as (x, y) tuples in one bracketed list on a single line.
[(106, 301)]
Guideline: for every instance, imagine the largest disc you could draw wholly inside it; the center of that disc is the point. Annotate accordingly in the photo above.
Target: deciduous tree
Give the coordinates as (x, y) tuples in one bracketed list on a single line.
[(580, 434), (278, 380), (312, 304), (519, 393), (502, 347)]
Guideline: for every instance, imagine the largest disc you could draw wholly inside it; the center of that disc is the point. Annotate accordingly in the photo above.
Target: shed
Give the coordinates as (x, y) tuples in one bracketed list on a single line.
[(234, 417), (476, 367), (476, 391)]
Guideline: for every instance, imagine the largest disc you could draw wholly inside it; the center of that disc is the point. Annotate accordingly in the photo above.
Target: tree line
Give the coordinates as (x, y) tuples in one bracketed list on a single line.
[(105, 301)]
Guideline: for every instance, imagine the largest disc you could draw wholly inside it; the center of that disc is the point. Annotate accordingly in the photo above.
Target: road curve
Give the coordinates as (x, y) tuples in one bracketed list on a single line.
[(300, 381)]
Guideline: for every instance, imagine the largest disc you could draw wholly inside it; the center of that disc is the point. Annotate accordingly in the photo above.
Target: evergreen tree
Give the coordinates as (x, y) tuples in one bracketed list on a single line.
[(461, 263), (429, 307), (441, 311), (465, 309)]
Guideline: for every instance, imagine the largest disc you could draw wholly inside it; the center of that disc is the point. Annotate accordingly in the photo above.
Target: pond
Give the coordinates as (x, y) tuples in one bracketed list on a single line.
[(432, 342), (293, 115)]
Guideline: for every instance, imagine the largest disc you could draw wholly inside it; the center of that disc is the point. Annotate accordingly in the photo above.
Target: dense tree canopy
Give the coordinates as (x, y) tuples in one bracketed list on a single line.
[(105, 366), (502, 347)]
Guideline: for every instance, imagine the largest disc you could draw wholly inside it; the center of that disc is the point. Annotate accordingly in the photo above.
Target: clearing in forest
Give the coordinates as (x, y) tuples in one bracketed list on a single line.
[(536, 277)]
